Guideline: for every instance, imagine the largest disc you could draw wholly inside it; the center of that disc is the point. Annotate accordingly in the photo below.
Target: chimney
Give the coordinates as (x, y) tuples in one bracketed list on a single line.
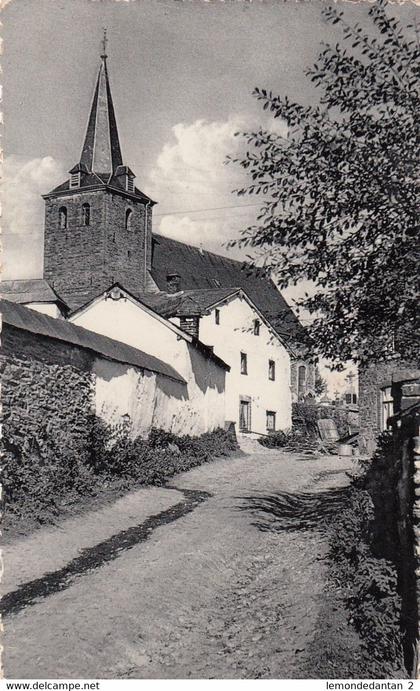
[(173, 283), (191, 325)]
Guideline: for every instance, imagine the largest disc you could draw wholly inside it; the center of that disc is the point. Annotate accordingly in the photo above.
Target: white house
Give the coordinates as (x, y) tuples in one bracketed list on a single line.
[(258, 386), (119, 315)]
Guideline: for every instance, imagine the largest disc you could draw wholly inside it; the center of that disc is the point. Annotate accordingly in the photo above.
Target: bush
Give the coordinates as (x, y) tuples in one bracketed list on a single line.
[(361, 565), (275, 440), (38, 477)]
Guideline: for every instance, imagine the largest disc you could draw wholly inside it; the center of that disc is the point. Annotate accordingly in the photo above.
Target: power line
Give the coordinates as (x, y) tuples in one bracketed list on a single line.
[(214, 208)]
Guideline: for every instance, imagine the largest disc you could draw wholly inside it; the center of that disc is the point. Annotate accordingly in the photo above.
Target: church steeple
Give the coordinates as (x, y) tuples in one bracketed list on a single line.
[(98, 224), (101, 151)]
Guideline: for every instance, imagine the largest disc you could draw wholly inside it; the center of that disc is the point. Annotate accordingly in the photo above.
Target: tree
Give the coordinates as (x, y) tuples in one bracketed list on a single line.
[(321, 385), (340, 191)]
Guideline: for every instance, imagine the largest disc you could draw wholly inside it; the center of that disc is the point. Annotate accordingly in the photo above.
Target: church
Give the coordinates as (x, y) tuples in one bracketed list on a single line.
[(107, 271)]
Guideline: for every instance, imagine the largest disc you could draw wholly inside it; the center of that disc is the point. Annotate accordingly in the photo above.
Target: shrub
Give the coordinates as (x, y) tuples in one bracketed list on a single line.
[(275, 440), (40, 475), (361, 563)]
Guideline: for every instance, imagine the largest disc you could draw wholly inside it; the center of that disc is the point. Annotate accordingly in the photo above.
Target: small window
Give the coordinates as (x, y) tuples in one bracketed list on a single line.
[(348, 398), (62, 215), (130, 184), (216, 283), (257, 325), (301, 380), (128, 219), (387, 407), (244, 363), (217, 316), (355, 399), (271, 421), (74, 180), (86, 214), (271, 370)]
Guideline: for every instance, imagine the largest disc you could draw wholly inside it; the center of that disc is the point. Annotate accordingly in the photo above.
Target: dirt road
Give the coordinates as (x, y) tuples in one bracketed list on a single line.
[(181, 582)]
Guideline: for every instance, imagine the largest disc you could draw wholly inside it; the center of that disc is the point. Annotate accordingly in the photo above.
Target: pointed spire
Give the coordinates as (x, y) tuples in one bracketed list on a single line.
[(101, 151)]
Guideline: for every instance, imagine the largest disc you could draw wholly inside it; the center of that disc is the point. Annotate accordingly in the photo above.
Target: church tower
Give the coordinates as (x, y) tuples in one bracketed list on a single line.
[(98, 225)]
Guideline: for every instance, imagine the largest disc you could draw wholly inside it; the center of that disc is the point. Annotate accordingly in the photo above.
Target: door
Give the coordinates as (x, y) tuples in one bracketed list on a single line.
[(244, 416)]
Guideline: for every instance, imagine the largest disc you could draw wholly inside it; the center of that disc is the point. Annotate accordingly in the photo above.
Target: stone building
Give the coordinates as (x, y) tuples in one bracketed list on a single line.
[(99, 235), (376, 402)]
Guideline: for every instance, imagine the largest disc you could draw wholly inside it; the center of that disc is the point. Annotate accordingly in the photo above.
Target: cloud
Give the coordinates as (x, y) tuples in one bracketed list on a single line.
[(24, 181), (191, 176)]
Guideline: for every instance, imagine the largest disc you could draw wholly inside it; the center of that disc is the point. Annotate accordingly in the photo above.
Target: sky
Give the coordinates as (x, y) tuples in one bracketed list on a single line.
[(182, 75)]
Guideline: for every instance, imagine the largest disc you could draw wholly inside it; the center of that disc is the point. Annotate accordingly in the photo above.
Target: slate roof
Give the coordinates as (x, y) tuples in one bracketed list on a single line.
[(185, 302), (200, 269), (98, 181), (30, 290), (24, 318)]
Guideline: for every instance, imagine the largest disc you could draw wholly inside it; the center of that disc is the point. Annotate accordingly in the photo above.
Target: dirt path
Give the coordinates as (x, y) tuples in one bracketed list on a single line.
[(207, 593)]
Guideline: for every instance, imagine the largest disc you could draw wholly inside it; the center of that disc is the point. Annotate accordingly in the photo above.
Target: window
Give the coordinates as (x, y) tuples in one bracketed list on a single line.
[(244, 415), (387, 407), (74, 180), (244, 363), (257, 324), (217, 316), (86, 214), (62, 215), (301, 380), (128, 219), (271, 370), (130, 184), (348, 398), (271, 421)]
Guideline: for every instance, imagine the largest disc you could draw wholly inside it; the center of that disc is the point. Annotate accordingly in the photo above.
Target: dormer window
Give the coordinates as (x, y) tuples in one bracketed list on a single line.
[(74, 180), (62, 217), (86, 214), (128, 219), (130, 184)]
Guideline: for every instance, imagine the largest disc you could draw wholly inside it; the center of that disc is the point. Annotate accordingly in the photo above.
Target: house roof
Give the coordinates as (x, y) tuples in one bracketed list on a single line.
[(30, 290), (155, 303), (24, 318), (200, 269)]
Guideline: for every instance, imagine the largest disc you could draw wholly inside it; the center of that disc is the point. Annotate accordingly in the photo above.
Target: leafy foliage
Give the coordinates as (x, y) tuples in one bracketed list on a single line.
[(365, 566), (39, 478), (321, 385), (340, 192)]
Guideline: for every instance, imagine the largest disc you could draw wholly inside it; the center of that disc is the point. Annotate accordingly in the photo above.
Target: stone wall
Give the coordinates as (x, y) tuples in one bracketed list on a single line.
[(372, 380), (406, 454), (46, 390), (80, 261), (344, 418)]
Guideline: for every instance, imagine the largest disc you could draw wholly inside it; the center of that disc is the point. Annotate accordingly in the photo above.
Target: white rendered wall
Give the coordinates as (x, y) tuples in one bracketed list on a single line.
[(201, 408), (49, 308), (235, 334)]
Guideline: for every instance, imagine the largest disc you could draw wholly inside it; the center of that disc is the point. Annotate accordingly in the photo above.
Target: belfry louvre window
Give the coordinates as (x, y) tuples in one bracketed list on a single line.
[(62, 217), (86, 214), (271, 370), (130, 184), (74, 180), (128, 219), (244, 363)]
